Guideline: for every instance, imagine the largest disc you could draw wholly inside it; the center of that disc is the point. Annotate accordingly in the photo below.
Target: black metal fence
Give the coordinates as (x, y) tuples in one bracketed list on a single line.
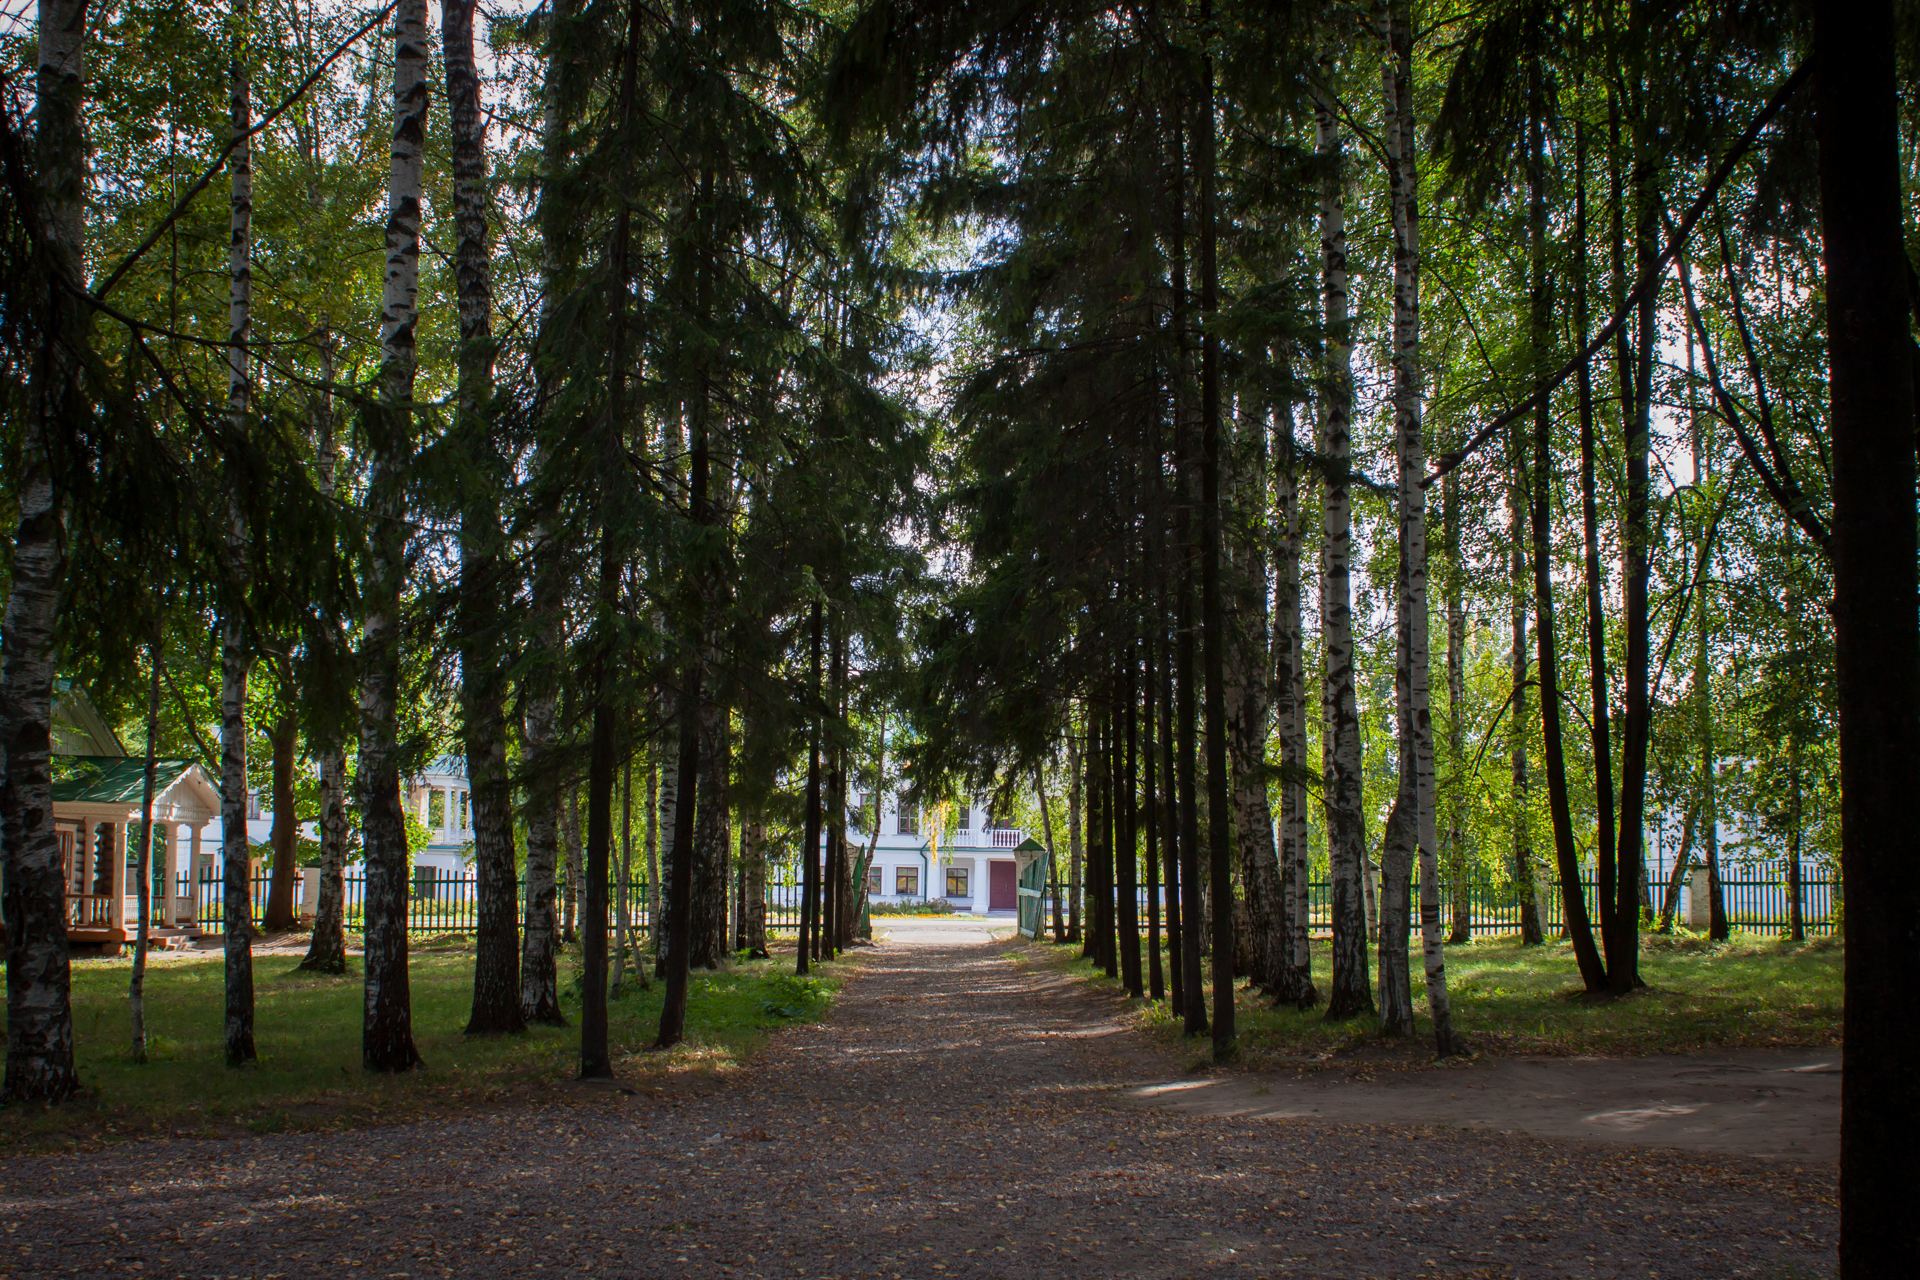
[(442, 901), (1758, 902), (448, 902)]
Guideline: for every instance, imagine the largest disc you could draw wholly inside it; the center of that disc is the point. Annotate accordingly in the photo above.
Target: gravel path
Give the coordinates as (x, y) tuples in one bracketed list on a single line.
[(959, 1114)]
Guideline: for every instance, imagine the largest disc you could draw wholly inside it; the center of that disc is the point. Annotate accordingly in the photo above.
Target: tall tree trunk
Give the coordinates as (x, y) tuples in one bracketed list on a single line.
[(387, 1027), (143, 872), (540, 934), (236, 655), (1703, 721), (496, 966), (283, 838), (1248, 725), (1414, 680), (1151, 731), (1212, 606), (1290, 713), (1671, 902), (1636, 551), (753, 858), (1170, 823), (836, 821), (327, 952), (1876, 638), (810, 839), (1525, 885), (1100, 852), (1349, 993), (713, 833), (1459, 867), (1126, 824), (1573, 898), (1075, 852), (1192, 996), (693, 592), (39, 1007), (653, 855), (570, 845), (1600, 729)]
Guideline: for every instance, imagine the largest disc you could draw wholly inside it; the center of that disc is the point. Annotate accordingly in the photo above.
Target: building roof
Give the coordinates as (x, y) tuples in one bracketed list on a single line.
[(115, 779), (79, 729)]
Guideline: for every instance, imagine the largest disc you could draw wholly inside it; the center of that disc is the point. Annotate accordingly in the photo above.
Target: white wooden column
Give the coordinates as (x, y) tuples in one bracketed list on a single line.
[(118, 882), (169, 895), (193, 876)]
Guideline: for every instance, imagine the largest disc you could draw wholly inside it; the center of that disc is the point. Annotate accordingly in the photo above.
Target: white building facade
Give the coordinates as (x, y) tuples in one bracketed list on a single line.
[(958, 853)]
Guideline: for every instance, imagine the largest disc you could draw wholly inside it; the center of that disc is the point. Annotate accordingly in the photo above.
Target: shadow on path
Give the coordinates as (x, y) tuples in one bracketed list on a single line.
[(958, 1114)]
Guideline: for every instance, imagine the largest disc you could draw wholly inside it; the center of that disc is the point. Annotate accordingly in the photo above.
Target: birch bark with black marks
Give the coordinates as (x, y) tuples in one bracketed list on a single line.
[(482, 607), (1413, 680), (1248, 721), (1290, 715), (40, 1065), (387, 1028), (540, 931), (1349, 993), (236, 656), (668, 823), (810, 840)]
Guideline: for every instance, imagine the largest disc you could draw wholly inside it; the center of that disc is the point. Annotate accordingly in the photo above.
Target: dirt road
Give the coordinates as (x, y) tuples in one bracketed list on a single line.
[(958, 1115)]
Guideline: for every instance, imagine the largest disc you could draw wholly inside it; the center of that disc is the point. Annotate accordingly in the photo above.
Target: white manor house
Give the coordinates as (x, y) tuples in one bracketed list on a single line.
[(958, 852)]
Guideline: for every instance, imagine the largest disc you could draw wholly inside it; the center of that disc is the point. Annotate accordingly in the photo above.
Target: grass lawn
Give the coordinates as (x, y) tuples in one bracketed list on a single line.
[(1750, 992), (307, 1030)]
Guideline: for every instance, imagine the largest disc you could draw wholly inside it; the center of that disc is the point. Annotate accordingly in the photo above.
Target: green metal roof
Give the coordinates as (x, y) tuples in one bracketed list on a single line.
[(111, 779), (1030, 845)]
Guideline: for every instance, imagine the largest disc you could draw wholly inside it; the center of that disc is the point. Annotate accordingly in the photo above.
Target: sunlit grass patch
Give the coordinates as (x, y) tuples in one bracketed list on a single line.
[(307, 1032), (1749, 992)]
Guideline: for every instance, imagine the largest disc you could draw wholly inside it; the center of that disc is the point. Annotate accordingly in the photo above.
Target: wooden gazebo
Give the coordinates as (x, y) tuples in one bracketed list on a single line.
[(96, 810)]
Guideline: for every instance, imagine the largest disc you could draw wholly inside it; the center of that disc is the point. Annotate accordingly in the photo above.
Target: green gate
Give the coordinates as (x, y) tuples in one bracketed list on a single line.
[(1033, 884)]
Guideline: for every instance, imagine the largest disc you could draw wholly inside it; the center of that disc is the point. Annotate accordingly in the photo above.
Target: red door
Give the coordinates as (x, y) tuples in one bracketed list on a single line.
[(1003, 892)]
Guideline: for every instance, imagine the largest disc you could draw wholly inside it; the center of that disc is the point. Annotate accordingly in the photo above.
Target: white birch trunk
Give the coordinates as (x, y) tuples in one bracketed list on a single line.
[(1413, 679), (40, 1064), (1290, 713), (1349, 991), (235, 653), (387, 1027)]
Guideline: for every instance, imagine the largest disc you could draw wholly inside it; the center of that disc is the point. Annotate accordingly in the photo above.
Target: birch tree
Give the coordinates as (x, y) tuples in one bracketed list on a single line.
[(1349, 993), (496, 970), (1412, 680), (387, 1029), (235, 650)]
